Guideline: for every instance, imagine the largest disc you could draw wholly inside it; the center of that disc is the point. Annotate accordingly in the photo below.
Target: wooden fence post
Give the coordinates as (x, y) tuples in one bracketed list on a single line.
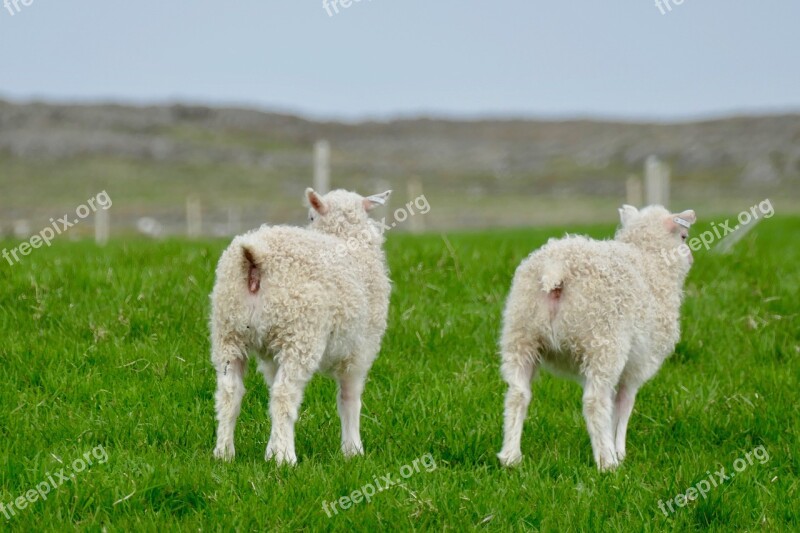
[(322, 166)]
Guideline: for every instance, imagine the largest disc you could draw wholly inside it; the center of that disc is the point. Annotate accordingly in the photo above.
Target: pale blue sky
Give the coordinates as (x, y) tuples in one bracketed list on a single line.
[(382, 58)]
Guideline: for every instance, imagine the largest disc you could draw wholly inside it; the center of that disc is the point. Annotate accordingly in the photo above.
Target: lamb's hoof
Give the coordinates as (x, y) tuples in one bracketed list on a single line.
[(281, 456), (510, 457), (352, 450), (607, 464), (224, 452)]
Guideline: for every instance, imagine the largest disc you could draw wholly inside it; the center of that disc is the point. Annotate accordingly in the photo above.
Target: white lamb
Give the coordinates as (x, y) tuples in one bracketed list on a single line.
[(303, 301), (605, 313)]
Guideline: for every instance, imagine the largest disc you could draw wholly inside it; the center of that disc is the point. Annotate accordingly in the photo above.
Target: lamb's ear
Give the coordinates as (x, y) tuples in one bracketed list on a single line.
[(626, 213), (315, 201), (677, 220), (371, 202)]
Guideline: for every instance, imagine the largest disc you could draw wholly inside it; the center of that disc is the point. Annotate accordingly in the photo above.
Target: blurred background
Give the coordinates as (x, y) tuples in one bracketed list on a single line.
[(202, 118)]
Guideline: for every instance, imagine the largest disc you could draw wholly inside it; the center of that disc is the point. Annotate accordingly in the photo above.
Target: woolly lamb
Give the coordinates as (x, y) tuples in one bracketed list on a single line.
[(605, 313), (303, 301)]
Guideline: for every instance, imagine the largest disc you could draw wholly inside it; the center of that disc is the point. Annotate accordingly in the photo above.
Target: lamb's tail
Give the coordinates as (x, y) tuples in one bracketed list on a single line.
[(252, 265), (552, 278)]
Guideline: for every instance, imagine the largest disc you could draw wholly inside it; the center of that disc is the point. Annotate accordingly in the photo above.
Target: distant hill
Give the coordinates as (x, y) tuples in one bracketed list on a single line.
[(155, 156)]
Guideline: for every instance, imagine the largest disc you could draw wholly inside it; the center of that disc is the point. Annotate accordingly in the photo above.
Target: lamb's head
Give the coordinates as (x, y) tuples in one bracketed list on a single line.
[(344, 214), (655, 230)]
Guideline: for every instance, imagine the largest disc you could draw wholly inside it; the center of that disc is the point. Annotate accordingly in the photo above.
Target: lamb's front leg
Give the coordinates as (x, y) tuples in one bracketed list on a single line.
[(348, 400), (228, 404), (285, 398), (598, 410)]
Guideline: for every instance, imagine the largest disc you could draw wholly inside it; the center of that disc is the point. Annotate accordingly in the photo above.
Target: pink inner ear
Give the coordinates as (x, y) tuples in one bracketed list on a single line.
[(317, 204)]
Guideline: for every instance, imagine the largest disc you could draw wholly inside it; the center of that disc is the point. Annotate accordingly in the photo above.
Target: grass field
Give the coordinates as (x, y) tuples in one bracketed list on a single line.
[(110, 348)]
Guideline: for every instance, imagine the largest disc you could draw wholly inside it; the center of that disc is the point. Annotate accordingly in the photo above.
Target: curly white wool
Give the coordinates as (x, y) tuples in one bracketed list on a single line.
[(605, 313), (302, 301)]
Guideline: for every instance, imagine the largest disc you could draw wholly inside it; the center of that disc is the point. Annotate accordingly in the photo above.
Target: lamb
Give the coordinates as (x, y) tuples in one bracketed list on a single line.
[(302, 300), (605, 313)]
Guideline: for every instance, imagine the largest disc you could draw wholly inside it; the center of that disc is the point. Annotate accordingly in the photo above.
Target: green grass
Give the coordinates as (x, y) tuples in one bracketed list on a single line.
[(109, 347)]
